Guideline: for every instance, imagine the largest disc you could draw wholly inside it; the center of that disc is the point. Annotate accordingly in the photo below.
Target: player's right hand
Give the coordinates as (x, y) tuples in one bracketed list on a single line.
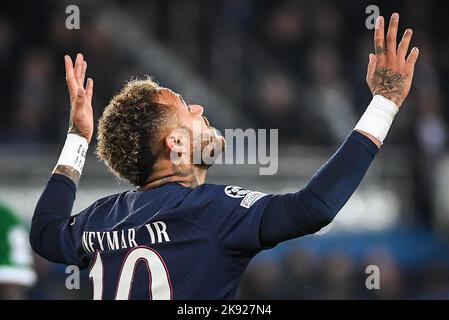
[(390, 70), (81, 115)]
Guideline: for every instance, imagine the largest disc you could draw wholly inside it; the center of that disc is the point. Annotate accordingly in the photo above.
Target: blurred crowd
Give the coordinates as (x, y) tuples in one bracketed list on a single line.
[(289, 64), (298, 66), (304, 274)]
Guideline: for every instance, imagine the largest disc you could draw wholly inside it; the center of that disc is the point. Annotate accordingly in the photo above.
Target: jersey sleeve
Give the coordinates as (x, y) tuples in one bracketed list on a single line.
[(313, 207), (55, 234), (70, 238), (238, 216)]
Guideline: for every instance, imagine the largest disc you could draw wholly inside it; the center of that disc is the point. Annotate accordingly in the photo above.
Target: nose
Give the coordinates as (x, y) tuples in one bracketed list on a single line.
[(197, 109)]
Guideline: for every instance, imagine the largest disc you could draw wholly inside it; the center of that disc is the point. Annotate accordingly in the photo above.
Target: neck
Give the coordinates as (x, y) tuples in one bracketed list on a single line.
[(165, 171)]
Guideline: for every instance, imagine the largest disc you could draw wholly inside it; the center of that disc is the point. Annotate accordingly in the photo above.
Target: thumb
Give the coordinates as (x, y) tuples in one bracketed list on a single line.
[(371, 64)]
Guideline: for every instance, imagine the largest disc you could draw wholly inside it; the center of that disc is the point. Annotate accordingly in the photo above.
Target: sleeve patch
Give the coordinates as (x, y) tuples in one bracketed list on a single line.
[(251, 198), (235, 192)]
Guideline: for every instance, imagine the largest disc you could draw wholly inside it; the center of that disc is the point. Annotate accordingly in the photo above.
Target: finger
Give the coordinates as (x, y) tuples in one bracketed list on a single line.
[(371, 64), (79, 68), (83, 72), (412, 57), (392, 34), (404, 44), (70, 77), (80, 98), (379, 37), (89, 90)]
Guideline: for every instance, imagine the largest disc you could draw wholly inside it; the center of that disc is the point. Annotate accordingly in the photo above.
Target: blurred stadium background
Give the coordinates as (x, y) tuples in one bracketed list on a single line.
[(298, 66)]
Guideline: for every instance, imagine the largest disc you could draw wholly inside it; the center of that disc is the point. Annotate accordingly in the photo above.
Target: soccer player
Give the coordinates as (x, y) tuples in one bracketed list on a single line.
[(175, 236), (16, 271)]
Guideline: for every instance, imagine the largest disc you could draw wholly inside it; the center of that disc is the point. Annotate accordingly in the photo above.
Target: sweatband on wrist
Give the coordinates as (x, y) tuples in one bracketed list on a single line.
[(74, 152), (378, 117)]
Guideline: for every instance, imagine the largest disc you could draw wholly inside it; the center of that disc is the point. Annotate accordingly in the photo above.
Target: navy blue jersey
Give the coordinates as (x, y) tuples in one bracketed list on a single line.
[(164, 242), (175, 242)]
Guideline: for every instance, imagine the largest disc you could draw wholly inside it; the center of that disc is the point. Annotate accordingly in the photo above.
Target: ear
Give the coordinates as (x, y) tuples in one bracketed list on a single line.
[(178, 141)]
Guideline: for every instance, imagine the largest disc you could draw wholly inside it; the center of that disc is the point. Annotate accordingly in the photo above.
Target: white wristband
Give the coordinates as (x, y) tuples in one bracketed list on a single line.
[(378, 117), (74, 152)]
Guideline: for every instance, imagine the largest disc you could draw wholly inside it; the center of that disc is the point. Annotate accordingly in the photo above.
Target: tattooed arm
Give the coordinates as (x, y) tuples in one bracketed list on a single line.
[(81, 116), (292, 215), (390, 70), (50, 235)]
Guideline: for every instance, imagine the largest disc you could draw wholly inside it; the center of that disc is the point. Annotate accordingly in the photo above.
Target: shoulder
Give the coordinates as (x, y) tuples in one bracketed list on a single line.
[(101, 205), (110, 199)]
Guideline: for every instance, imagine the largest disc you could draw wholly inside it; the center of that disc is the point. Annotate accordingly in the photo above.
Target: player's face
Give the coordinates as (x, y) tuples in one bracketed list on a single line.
[(191, 116)]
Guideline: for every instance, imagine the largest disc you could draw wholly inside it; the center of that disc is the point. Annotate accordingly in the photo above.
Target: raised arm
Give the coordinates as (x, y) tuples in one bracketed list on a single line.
[(53, 210), (389, 78), (81, 124)]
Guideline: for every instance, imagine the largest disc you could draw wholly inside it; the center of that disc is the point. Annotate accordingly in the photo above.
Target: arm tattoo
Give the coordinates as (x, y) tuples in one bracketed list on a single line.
[(69, 172), (388, 83)]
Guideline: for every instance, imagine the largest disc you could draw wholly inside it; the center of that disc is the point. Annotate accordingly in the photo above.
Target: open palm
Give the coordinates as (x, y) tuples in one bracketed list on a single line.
[(390, 70), (81, 114)]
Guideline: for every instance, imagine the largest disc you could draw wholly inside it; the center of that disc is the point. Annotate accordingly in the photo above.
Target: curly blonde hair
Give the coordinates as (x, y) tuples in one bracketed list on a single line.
[(129, 131)]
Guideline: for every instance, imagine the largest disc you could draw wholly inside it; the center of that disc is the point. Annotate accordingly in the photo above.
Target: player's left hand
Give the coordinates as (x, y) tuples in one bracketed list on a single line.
[(81, 115), (390, 71)]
